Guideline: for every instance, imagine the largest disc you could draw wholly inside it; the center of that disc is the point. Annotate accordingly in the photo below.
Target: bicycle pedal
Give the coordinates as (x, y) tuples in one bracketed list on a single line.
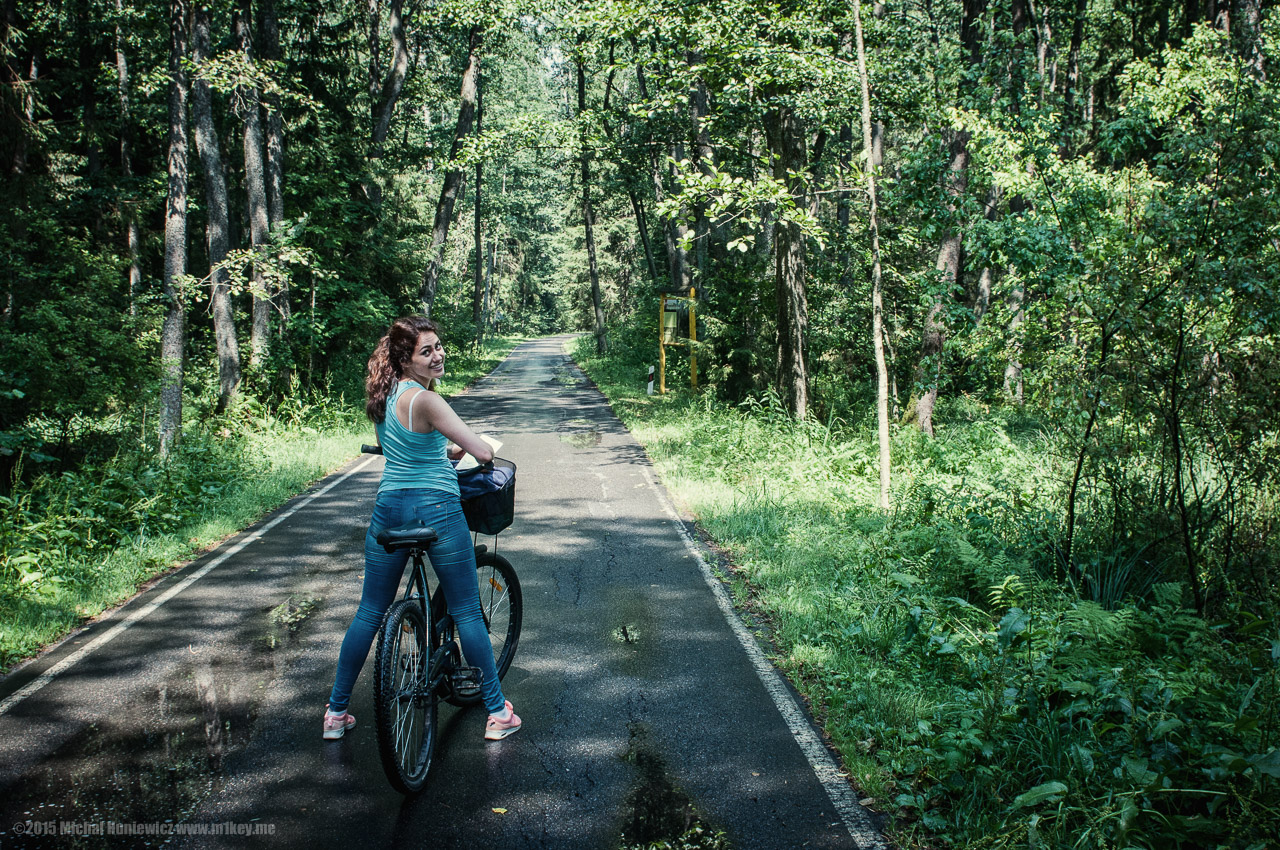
[(466, 680)]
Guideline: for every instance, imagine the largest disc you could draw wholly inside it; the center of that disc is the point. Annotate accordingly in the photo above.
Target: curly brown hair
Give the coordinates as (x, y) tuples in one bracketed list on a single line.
[(386, 364)]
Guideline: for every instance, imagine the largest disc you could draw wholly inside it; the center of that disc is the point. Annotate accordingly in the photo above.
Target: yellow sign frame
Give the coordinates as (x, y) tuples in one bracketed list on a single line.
[(672, 326)]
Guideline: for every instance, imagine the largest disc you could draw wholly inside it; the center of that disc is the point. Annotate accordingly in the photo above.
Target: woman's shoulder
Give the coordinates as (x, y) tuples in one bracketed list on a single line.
[(409, 389), (418, 401)]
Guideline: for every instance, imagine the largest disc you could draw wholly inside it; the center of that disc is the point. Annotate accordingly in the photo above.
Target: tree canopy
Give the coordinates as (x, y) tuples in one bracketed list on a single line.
[(1076, 222)]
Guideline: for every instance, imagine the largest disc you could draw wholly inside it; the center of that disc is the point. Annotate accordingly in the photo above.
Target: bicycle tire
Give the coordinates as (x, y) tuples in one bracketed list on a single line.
[(502, 604), (405, 703)]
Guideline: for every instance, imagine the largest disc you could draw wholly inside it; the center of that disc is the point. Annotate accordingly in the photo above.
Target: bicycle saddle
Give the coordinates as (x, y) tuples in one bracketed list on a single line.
[(406, 537)]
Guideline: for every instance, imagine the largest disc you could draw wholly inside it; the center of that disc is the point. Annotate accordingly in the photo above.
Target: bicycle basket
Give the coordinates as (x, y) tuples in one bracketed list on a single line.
[(489, 496)]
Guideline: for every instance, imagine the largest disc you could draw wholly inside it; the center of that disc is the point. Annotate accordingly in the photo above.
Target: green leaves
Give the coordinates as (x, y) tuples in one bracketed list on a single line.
[(1047, 792)]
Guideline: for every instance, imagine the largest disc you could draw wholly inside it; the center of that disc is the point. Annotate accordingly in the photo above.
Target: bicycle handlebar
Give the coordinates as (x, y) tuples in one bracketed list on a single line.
[(371, 450)]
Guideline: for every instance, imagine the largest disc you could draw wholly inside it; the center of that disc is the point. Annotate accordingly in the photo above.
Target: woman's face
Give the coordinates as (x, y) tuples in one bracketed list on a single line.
[(427, 362)]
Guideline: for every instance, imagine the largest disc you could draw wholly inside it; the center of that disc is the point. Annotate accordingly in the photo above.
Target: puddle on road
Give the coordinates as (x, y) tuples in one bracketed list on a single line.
[(285, 619), (582, 439), (634, 632), (657, 811), (158, 758), (581, 433), (567, 377), (627, 633)]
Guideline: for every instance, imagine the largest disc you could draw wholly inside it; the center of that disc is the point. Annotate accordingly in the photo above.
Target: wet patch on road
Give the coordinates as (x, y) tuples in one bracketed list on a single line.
[(568, 377), (657, 813), (627, 633), (580, 433), (156, 759), (285, 619), (634, 631)]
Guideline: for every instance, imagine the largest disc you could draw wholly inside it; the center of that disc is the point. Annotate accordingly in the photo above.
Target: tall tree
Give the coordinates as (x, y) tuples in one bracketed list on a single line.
[(787, 144), (449, 191), (933, 334), (133, 236), (249, 107), (217, 220), (383, 99), (588, 213), (269, 28), (173, 332), (877, 292), (673, 228), (1018, 203)]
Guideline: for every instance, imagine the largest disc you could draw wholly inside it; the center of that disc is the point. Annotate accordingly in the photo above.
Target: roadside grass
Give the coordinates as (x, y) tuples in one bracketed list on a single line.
[(977, 699), (79, 541)]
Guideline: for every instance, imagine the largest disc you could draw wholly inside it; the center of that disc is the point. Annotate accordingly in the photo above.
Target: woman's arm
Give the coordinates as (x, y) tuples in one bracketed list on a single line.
[(433, 413)]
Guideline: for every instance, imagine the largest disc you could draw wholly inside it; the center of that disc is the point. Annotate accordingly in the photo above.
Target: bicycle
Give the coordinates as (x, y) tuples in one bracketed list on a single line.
[(418, 660)]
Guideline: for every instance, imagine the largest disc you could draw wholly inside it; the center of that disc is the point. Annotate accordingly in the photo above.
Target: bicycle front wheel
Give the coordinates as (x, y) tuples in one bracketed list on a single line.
[(503, 609), (404, 700)]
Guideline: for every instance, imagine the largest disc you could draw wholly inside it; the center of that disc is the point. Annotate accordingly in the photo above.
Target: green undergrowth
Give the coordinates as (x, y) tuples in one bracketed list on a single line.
[(77, 541), (978, 699)]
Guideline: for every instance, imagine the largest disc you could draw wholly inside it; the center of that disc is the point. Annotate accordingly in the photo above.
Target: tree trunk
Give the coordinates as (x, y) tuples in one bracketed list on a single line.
[(21, 72), (588, 222), (1013, 370), (217, 225), (877, 294), (452, 179), (672, 229), (1249, 37), (982, 295), (173, 331), (929, 369), (844, 205), (1069, 118), (785, 133), (385, 103), (256, 190), (132, 237), (703, 159), (487, 318), (1018, 204), (88, 62), (270, 28), (933, 334), (1173, 422), (375, 73), (630, 175), (642, 226)]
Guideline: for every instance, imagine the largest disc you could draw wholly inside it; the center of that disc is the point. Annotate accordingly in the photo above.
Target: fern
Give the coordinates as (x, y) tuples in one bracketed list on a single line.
[(1009, 593)]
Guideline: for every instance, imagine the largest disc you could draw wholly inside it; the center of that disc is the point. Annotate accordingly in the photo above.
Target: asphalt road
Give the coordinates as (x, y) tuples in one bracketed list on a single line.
[(644, 710)]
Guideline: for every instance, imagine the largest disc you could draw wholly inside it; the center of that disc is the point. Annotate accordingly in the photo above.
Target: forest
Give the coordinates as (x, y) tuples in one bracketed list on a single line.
[(987, 302)]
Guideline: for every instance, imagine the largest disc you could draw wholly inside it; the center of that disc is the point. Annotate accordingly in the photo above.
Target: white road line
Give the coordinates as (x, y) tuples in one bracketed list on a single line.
[(111, 634), (855, 818)]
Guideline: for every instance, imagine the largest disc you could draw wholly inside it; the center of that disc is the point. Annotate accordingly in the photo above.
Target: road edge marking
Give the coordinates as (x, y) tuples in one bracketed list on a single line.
[(115, 631), (824, 765)]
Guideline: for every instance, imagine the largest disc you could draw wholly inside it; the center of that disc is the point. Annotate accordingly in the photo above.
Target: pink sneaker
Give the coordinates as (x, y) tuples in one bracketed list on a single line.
[(502, 724), (335, 725)]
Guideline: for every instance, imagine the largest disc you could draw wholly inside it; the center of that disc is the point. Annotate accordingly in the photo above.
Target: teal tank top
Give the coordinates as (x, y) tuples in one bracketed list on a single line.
[(413, 461)]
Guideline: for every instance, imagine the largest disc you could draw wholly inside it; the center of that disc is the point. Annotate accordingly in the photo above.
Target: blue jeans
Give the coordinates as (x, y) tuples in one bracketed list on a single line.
[(454, 560)]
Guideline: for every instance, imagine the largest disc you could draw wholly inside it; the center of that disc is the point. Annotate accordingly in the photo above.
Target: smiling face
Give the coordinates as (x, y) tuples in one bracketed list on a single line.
[(427, 363)]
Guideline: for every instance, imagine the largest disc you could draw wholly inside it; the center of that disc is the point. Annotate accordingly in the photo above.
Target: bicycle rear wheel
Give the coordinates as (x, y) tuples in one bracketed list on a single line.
[(404, 700), (503, 608)]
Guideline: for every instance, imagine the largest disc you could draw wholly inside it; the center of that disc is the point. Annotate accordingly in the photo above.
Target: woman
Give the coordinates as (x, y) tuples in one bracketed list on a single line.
[(418, 485)]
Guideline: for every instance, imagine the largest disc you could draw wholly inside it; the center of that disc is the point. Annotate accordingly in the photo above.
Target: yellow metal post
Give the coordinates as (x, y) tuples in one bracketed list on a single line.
[(662, 345), (693, 340)]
